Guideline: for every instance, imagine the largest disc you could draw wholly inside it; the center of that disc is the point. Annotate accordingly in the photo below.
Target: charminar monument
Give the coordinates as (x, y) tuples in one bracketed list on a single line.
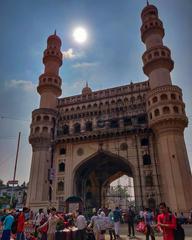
[(82, 143)]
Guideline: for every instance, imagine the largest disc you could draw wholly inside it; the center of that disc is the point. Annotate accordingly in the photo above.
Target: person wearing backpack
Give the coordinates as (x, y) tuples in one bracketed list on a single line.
[(167, 222), (149, 220), (7, 224)]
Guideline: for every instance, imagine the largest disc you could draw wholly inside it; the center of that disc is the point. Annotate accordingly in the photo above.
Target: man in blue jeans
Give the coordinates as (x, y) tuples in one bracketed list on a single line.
[(7, 223), (117, 218)]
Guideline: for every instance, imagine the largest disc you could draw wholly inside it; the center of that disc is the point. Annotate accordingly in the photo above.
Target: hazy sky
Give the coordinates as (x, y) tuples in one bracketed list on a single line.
[(111, 57)]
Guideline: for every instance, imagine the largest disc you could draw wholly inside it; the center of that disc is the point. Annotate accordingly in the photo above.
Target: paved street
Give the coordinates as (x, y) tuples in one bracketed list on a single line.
[(123, 231)]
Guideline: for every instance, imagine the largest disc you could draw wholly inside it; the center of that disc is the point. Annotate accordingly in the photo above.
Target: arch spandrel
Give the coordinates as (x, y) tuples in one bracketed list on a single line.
[(101, 168), (113, 156)]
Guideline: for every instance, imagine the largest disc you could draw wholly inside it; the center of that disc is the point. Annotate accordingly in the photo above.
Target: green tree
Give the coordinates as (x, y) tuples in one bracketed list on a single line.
[(120, 191), (1, 182), (4, 200)]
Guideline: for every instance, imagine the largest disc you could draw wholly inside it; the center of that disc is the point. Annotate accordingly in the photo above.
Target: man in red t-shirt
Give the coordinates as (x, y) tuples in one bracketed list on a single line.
[(20, 224), (167, 222)]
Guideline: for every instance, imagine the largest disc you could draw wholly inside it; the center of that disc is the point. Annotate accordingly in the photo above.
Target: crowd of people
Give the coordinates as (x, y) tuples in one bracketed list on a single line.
[(23, 224)]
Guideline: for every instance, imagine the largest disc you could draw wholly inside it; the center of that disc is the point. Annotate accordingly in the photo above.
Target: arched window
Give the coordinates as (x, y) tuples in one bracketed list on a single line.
[(144, 142), (142, 119), (156, 54), (60, 186), (77, 128), (45, 129), (154, 99), (164, 97), (88, 126), (166, 110), (127, 121), (38, 118), (176, 109), (156, 112), (37, 129), (146, 159), (46, 118), (139, 98), (149, 180), (62, 167), (65, 129), (132, 99), (173, 96), (114, 123), (119, 102), (62, 151), (150, 56), (163, 53)]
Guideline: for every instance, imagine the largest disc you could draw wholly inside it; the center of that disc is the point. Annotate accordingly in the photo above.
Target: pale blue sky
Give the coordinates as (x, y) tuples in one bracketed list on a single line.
[(111, 57)]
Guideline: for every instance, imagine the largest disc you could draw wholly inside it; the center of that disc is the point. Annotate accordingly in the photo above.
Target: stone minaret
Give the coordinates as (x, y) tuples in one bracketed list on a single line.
[(43, 124), (166, 115)]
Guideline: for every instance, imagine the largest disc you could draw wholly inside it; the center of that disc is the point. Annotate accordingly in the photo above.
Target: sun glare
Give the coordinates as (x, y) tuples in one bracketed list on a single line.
[(80, 35)]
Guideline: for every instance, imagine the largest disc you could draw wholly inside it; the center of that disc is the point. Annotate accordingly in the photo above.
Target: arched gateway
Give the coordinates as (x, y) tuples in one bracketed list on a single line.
[(81, 143), (95, 174)]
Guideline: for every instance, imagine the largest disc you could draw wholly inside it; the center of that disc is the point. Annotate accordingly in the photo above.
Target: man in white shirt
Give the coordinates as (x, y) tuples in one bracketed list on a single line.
[(81, 224), (39, 217)]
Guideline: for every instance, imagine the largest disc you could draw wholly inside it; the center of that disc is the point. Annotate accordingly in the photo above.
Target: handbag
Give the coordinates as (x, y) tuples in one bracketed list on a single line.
[(141, 227)]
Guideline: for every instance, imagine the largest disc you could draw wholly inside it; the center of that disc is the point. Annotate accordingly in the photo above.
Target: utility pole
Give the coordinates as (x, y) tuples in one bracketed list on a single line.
[(15, 168)]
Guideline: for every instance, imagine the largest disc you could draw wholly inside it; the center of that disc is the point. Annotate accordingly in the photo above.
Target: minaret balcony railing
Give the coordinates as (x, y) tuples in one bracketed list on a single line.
[(49, 87), (164, 89), (162, 103), (156, 53), (148, 11), (159, 57), (53, 52), (152, 26), (50, 58), (50, 79), (171, 121)]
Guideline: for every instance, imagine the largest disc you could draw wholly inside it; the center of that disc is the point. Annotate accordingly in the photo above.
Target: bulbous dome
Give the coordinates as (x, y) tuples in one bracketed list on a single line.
[(54, 39), (149, 11), (86, 90)]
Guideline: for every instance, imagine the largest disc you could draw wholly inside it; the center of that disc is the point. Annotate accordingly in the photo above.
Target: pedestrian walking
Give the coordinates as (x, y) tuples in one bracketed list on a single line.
[(7, 224), (20, 224), (167, 222), (149, 221), (111, 227), (81, 224), (93, 224), (117, 219)]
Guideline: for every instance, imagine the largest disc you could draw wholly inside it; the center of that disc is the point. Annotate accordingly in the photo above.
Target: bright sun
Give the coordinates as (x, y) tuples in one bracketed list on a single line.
[(80, 35)]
